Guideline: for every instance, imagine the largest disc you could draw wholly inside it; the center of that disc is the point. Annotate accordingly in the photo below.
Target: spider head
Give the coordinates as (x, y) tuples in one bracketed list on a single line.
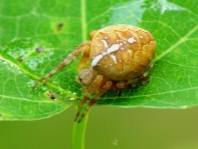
[(86, 77)]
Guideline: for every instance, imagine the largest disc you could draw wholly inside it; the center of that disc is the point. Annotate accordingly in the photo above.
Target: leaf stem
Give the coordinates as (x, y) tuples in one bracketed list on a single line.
[(79, 133)]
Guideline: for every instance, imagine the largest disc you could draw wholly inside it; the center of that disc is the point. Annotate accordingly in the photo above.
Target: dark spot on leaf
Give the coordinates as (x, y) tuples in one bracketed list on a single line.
[(39, 49), (59, 26), (20, 59)]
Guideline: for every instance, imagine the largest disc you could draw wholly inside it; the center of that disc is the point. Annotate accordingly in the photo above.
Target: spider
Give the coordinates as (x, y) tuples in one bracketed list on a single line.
[(116, 57)]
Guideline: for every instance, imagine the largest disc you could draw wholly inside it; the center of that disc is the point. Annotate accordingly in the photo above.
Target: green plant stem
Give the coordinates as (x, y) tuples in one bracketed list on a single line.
[(79, 133)]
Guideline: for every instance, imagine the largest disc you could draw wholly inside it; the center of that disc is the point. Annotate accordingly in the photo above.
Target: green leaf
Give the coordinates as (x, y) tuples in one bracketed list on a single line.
[(35, 36)]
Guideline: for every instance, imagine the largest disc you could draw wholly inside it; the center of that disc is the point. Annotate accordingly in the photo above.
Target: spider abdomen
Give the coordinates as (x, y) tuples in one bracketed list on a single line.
[(121, 52)]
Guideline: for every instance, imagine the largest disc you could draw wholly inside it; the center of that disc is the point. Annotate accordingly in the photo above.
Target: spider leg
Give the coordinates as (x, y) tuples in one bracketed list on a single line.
[(102, 90), (145, 74), (93, 87), (80, 49), (96, 89)]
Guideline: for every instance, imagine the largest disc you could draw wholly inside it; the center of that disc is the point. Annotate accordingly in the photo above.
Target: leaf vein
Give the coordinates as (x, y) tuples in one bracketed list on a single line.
[(83, 20), (182, 40)]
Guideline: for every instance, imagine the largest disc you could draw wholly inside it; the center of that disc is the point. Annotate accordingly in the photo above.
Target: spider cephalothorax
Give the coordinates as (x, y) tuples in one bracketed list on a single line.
[(116, 57)]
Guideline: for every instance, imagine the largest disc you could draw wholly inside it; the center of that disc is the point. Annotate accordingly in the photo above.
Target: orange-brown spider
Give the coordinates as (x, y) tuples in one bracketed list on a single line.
[(116, 57)]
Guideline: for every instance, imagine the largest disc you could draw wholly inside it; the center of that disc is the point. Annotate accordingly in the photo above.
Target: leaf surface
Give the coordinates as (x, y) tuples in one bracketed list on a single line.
[(37, 35)]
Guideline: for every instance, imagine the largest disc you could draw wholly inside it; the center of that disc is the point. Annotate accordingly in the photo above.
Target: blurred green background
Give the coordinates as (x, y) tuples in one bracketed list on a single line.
[(107, 128)]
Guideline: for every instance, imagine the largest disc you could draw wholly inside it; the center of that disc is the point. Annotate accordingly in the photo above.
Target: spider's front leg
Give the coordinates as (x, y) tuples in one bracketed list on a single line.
[(98, 87), (84, 47)]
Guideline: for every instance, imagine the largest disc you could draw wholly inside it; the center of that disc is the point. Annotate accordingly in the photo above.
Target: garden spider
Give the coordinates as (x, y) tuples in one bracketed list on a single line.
[(116, 57)]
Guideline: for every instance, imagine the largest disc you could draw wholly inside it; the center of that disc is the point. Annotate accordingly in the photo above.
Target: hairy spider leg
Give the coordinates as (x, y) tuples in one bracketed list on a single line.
[(96, 89), (80, 49), (102, 90), (140, 80), (93, 87)]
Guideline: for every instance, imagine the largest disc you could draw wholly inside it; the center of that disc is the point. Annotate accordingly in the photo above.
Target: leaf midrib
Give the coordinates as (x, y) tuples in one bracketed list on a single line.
[(83, 20), (24, 99)]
